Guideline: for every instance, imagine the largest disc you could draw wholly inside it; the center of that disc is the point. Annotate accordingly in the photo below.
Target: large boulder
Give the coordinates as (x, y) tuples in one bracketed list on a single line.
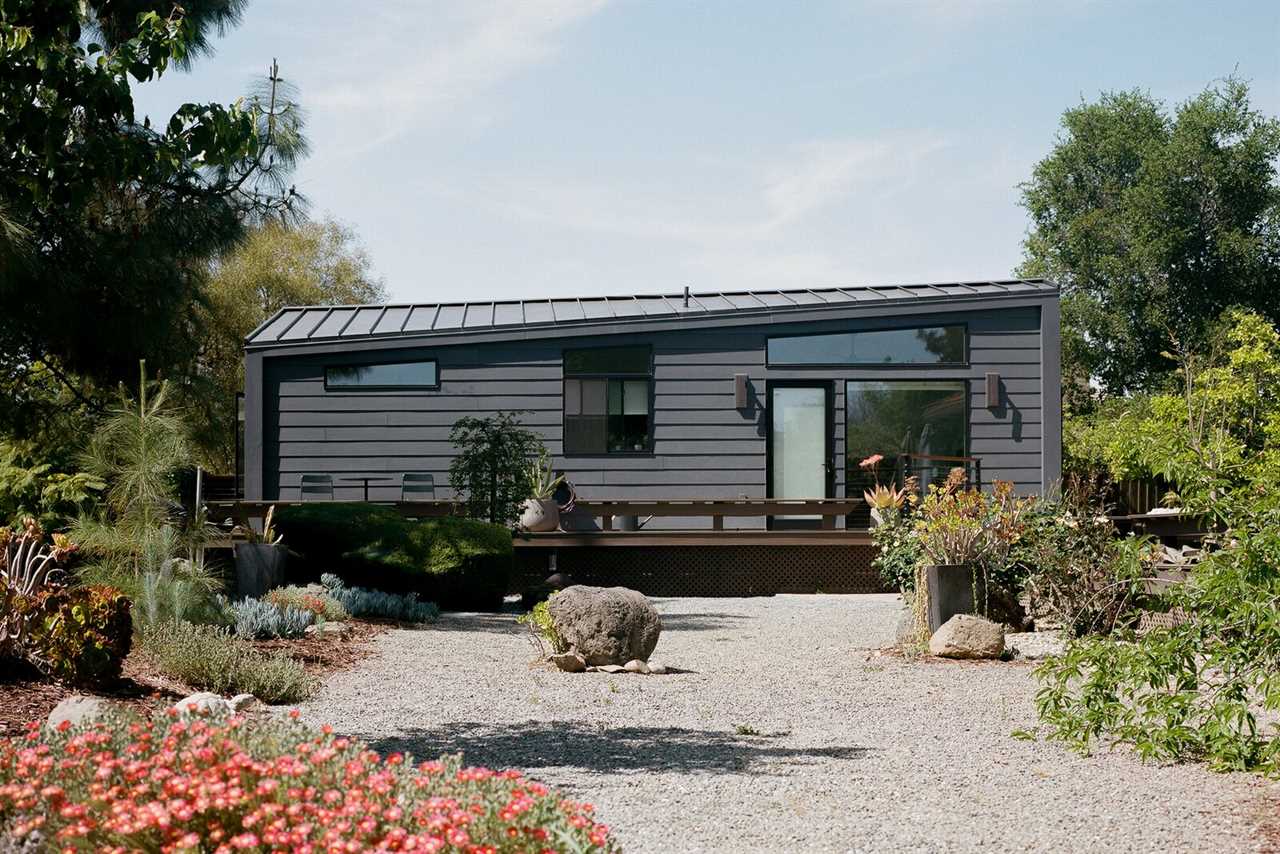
[(967, 636), (605, 625)]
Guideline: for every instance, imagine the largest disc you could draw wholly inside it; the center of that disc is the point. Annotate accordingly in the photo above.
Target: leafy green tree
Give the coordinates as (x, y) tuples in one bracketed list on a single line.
[(490, 472), (312, 263), (118, 217), (1153, 224)]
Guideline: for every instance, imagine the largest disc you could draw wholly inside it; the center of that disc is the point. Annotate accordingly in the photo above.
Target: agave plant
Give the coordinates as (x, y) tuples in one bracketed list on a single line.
[(26, 566), (543, 480)]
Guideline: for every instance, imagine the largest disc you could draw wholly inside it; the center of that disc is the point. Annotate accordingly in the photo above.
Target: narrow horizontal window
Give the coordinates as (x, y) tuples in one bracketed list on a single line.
[(923, 345), (424, 374), (607, 361)]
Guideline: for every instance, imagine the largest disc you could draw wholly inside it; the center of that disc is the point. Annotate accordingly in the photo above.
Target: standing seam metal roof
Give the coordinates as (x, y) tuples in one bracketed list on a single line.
[(344, 323)]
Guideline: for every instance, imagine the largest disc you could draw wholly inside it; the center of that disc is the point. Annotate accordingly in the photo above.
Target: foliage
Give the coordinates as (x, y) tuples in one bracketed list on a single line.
[(457, 563), (1224, 419), (31, 485), (119, 215), (165, 784), (489, 472), (543, 480), (1151, 223), (79, 635), (267, 536), (898, 551), (359, 602), (1192, 691), (209, 658), (277, 264), (180, 590), (313, 598), (543, 628), (1080, 574), (255, 619)]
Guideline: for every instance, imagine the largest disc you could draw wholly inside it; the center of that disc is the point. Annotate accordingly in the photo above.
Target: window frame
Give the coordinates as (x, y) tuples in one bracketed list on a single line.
[(891, 366), (607, 376), (329, 386)]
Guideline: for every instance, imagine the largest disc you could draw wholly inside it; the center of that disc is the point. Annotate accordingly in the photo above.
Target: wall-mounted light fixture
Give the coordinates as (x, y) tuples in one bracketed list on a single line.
[(740, 391), (993, 391)]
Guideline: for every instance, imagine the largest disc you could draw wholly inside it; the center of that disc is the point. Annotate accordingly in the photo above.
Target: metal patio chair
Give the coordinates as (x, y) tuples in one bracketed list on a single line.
[(415, 486), (317, 487)]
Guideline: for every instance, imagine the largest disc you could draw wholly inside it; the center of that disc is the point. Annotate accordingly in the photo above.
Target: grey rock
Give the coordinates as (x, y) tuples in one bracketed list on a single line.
[(656, 668), (328, 627), (569, 662), (967, 636), (1034, 646), (78, 710), (635, 665), (206, 703), (609, 668), (606, 625), (906, 632)]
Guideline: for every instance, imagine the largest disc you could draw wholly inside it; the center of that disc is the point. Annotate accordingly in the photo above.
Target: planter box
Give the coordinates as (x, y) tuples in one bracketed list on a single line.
[(259, 567), (950, 592)]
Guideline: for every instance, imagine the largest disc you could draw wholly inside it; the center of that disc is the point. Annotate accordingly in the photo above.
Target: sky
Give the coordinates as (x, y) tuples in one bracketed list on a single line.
[(530, 148)]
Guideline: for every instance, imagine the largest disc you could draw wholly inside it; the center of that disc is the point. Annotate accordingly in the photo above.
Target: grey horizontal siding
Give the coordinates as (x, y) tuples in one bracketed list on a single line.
[(703, 446)]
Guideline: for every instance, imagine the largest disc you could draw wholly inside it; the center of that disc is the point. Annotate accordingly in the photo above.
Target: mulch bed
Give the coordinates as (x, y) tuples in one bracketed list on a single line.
[(27, 696)]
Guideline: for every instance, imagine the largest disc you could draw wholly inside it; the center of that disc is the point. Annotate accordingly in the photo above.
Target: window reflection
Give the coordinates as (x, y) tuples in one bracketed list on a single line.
[(927, 345)]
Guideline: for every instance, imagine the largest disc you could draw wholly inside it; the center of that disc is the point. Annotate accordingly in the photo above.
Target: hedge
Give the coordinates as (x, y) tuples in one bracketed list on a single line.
[(456, 563)]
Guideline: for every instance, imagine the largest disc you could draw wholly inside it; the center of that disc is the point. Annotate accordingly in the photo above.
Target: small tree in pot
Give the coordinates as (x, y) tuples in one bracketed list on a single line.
[(260, 558), (490, 473)]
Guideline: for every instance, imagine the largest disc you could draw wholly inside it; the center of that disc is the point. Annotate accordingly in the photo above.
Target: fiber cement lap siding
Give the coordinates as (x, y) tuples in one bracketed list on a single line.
[(703, 446)]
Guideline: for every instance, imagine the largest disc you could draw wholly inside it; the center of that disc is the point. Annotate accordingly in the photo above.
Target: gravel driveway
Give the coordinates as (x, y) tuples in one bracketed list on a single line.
[(788, 732)]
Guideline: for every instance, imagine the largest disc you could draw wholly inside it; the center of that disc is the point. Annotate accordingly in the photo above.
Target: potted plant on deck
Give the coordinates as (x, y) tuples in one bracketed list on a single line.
[(541, 512), (260, 558)]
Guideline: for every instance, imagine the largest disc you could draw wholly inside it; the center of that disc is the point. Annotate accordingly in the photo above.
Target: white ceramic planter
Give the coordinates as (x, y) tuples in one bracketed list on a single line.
[(540, 514)]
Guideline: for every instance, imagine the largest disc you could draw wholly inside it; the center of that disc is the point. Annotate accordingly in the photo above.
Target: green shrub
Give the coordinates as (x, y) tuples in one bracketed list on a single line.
[(312, 598), (457, 563), (79, 635), (212, 659), (898, 550), (544, 628), (360, 602), (490, 471)]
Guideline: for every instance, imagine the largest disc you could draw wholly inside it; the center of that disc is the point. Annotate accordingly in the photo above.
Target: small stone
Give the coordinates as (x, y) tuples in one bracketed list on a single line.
[(243, 702), (656, 668), (635, 665), (967, 636), (327, 628), (569, 662), (205, 703), (610, 668), (1034, 646), (78, 710)]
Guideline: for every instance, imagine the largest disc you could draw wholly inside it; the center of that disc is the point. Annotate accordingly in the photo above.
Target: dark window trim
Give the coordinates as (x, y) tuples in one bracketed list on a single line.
[(827, 386), (889, 366), (393, 387)]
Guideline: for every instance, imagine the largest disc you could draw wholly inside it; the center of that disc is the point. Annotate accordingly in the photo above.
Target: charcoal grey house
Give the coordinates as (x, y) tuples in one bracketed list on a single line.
[(751, 394)]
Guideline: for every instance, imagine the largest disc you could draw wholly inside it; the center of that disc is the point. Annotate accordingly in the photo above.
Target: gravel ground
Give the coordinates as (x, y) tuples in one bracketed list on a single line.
[(787, 732)]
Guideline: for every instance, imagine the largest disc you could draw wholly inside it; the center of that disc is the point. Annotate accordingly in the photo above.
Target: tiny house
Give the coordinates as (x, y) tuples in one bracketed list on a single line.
[(756, 394)]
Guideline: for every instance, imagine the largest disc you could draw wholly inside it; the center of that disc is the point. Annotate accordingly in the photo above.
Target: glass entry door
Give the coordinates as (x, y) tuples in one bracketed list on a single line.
[(800, 434)]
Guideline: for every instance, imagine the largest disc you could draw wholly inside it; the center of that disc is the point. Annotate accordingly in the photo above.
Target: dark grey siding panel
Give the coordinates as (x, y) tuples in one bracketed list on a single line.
[(703, 446)]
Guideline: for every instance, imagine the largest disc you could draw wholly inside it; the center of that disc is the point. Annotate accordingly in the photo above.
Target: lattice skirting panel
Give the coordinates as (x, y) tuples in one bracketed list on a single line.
[(751, 570)]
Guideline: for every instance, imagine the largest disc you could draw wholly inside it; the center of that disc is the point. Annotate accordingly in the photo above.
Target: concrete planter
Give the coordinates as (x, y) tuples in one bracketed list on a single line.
[(540, 514), (259, 567), (950, 592)]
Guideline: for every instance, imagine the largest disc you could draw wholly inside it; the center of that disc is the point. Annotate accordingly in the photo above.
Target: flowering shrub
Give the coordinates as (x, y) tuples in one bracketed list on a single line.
[(162, 784), (79, 635), (313, 598)]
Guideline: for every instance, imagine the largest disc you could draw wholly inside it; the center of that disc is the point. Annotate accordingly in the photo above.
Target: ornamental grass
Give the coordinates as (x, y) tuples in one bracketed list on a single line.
[(164, 784)]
